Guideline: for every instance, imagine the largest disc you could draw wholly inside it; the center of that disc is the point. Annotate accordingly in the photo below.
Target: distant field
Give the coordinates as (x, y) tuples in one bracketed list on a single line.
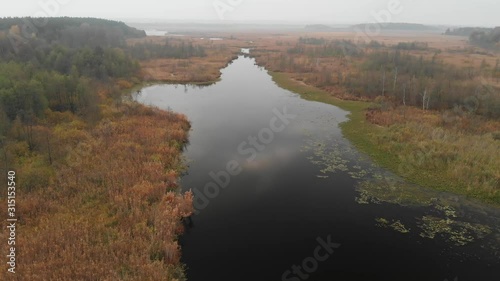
[(452, 50)]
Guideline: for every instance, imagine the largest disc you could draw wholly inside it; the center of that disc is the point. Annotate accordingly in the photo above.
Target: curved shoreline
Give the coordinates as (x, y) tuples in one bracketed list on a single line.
[(364, 135)]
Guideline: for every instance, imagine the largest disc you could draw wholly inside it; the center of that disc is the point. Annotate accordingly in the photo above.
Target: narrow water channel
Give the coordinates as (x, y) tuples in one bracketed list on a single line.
[(282, 195)]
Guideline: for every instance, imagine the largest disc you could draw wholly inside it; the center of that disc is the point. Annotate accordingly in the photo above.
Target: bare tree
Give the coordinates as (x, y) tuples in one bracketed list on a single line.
[(404, 95), (383, 84), (49, 151), (426, 98), (395, 81), (429, 99)]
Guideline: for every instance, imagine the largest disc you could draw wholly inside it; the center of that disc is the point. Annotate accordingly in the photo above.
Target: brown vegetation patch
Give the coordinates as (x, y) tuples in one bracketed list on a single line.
[(190, 70), (109, 208)]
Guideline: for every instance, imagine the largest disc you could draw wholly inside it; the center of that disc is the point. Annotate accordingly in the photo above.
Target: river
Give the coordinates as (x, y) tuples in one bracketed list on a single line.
[(282, 195)]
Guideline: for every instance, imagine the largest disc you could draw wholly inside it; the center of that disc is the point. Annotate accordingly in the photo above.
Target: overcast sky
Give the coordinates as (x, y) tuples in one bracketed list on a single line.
[(454, 12)]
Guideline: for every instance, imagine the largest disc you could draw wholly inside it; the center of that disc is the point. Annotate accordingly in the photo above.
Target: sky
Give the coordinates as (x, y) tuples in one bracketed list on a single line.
[(445, 12)]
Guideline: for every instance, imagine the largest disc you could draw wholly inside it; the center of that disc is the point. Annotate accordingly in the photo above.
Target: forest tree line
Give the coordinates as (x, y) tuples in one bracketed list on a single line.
[(59, 79), (466, 31), (58, 67), (481, 36), (71, 32), (168, 49), (489, 40), (391, 72)]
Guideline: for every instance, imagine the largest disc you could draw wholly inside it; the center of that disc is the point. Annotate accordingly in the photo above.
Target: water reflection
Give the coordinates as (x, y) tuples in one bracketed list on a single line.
[(311, 182)]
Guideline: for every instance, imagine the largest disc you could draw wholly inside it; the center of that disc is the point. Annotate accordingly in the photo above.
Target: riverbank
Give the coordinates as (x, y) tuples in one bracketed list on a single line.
[(195, 69), (200, 71), (418, 149)]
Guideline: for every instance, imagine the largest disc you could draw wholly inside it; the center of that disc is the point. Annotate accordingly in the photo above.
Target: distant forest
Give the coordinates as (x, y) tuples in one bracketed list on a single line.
[(383, 26), (397, 26), (51, 64), (466, 31), (483, 37), (69, 32)]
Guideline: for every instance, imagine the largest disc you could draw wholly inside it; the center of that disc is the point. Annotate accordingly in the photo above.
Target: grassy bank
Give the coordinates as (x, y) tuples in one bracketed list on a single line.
[(418, 149)]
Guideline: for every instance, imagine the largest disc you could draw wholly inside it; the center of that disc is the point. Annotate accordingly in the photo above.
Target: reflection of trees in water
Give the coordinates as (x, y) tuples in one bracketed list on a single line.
[(188, 223)]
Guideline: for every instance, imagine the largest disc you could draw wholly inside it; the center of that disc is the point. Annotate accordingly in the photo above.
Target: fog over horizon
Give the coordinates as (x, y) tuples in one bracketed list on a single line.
[(446, 12)]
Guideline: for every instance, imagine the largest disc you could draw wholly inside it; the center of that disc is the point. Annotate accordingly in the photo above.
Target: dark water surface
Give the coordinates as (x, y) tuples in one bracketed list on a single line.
[(302, 185)]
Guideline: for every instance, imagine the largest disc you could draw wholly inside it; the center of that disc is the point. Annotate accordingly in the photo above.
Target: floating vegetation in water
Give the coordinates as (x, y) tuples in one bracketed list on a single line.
[(448, 211), (445, 223), (365, 198), (359, 173), (390, 190), (458, 232), (441, 218), (395, 225), (382, 221), (330, 159), (332, 156)]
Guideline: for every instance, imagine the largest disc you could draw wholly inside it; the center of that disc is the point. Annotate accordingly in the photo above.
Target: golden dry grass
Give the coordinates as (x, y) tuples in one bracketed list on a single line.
[(192, 70), (108, 208)]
